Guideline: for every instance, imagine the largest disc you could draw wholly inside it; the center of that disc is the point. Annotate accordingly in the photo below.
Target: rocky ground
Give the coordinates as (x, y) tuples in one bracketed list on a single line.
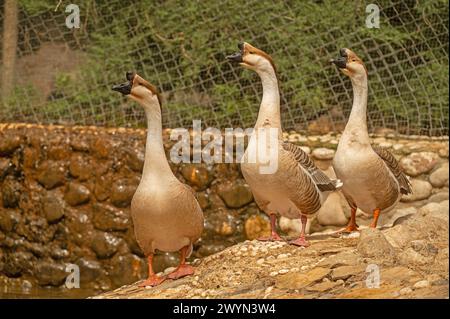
[(410, 259)]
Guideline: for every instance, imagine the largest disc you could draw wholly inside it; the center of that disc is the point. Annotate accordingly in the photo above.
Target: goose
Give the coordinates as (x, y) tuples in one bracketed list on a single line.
[(297, 188), (165, 212), (373, 180)]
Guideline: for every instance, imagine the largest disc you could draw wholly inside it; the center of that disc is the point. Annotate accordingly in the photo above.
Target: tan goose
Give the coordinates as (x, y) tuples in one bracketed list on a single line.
[(373, 180), (165, 212), (297, 188)]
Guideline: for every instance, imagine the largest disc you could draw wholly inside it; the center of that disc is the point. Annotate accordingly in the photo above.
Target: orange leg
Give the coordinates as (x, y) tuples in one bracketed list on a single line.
[(352, 226), (273, 230), (376, 214), (183, 269), (301, 241), (152, 279)]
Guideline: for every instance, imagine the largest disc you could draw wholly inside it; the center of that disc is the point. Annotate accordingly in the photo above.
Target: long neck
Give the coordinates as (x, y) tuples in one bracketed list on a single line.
[(270, 103), (357, 122), (155, 163)]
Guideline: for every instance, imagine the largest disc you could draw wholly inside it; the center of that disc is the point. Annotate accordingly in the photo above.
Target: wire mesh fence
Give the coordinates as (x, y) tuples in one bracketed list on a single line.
[(63, 75)]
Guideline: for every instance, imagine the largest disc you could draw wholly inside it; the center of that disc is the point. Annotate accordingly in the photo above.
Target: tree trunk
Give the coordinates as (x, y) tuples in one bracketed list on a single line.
[(9, 46)]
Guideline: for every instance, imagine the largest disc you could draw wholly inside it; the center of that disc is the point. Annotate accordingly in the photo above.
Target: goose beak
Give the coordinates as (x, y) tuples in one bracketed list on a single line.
[(237, 57), (341, 62), (124, 88)]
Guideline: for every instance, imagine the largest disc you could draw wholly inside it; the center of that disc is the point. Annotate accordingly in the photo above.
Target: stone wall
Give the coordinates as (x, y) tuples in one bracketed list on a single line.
[(65, 194)]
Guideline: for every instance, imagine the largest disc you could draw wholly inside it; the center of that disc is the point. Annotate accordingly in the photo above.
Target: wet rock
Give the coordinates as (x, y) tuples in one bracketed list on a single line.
[(105, 244), (16, 263), (196, 175), (331, 213), (5, 167), (297, 280), (101, 148), (53, 207), (127, 269), (50, 273), (58, 152), (256, 226), (418, 163), (10, 192), (220, 223), (322, 153), (59, 253), (8, 220), (439, 177), (122, 192), (90, 270), (130, 238), (135, 159), (76, 194), (79, 144), (30, 157), (79, 167), (420, 190), (373, 244), (102, 188), (9, 143), (108, 218), (235, 195), (51, 174), (203, 200)]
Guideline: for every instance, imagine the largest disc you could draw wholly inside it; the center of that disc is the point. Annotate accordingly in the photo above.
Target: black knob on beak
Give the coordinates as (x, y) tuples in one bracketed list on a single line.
[(130, 75), (343, 52)]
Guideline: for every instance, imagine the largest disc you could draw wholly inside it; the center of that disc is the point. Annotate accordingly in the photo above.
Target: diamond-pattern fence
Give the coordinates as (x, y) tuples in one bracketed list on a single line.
[(63, 75)]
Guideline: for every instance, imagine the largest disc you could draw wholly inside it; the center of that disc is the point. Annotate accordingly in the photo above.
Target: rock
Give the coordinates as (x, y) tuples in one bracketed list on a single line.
[(418, 163), (76, 194), (398, 275), (10, 192), (9, 143), (439, 177), (410, 257), (331, 213), (235, 194), (373, 244), (16, 263), (52, 274), (108, 218), (79, 144), (8, 220), (135, 159), (397, 236), (306, 149), (197, 175), (420, 190), (101, 148), (102, 188), (421, 284), (443, 152), (126, 270), (122, 192), (79, 167), (323, 286), (105, 244), (439, 197), (90, 270), (405, 291), (439, 210), (295, 280), (400, 213), (203, 200), (322, 153), (53, 208), (345, 258), (5, 167), (344, 272), (51, 174), (256, 226)]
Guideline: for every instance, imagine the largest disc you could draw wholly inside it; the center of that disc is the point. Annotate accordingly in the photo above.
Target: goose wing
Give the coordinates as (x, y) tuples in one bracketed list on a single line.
[(323, 182), (392, 164)]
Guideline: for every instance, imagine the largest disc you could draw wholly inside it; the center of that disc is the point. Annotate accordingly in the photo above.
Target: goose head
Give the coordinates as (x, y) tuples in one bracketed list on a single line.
[(252, 58), (350, 64), (139, 90)]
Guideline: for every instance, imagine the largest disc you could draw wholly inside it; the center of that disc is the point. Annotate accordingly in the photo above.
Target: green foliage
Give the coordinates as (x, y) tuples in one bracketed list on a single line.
[(181, 45)]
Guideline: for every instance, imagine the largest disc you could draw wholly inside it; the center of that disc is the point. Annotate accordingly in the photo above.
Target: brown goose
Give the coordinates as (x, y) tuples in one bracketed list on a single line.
[(297, 188), (165, 212), (373, 180)]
